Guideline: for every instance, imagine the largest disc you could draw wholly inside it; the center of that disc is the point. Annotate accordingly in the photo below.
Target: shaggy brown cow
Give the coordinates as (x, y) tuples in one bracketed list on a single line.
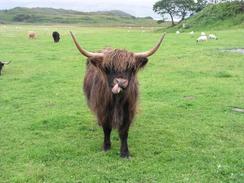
[(2, 63), (31, 35), (111, 88)]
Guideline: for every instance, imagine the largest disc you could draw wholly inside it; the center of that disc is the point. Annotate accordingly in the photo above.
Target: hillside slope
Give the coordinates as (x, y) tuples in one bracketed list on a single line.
[(215, 17), (50, 15)]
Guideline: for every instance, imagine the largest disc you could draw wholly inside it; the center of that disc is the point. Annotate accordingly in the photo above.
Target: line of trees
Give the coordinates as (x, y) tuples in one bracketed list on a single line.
[(180, 9)]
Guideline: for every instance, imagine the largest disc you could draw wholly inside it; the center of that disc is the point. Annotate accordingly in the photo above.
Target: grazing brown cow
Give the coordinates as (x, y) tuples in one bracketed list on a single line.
[(31, 35), (2, 63), (111, 88)]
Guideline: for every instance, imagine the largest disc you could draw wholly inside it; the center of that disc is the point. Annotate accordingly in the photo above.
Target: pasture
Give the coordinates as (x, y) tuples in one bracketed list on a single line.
[(184, 131)]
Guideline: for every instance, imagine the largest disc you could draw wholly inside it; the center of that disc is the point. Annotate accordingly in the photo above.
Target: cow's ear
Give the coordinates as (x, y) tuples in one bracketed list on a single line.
[(141, 62), (96, 61)]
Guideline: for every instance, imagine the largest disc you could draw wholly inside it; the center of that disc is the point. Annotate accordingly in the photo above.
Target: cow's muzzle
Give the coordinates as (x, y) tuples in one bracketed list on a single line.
[(119, 85)]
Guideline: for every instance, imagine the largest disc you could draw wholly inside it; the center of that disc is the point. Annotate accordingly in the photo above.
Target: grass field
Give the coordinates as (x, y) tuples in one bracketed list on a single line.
[(185, 130)]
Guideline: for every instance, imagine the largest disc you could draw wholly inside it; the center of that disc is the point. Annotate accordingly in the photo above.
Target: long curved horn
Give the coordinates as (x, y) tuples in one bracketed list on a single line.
[(83, 51), (6, 63), (152, 50)]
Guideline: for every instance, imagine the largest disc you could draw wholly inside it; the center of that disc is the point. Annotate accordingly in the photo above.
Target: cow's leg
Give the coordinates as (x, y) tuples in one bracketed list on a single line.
[(123, 134), (107, 131)]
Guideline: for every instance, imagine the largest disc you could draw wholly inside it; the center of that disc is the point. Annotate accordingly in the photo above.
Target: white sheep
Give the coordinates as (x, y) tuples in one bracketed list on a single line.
[(177, 32), (212, 36), (203, 34), (202, 39), (192, 33)]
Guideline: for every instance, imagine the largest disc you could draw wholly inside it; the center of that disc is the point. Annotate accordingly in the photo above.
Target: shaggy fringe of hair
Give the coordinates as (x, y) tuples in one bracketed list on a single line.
[(117, 59)]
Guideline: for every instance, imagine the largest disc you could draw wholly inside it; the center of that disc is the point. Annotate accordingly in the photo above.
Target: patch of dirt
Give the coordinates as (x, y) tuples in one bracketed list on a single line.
[(236, 109), (234, 50), (189, 97)]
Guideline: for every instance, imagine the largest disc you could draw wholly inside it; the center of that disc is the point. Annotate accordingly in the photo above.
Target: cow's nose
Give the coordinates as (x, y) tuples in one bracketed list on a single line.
[(123, 83), (116, 89)]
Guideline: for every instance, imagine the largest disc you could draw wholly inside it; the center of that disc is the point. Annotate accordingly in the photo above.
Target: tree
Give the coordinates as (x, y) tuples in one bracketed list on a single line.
[(200, 4), (178, 8), (187, 7), (183, 8), (166, 7)]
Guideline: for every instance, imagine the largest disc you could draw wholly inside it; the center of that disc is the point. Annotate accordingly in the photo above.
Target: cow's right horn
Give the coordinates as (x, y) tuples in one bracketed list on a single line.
[(83, 51), (152, 50)]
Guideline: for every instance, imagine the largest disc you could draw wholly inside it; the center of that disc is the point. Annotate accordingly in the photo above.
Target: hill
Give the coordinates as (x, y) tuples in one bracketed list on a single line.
[(215, 17), (50, 15)]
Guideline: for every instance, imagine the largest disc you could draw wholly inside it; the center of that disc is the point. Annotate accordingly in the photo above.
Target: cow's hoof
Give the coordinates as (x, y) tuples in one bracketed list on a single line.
[(106, 147), (125, 155)]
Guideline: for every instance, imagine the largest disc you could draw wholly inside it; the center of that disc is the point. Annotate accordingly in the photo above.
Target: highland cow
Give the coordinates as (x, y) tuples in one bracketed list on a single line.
[(111, 89), (56, 37), (31, 35)]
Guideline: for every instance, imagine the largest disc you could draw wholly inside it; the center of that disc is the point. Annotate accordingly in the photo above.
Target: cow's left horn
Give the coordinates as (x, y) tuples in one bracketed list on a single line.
[(83, 51), (151, 51)]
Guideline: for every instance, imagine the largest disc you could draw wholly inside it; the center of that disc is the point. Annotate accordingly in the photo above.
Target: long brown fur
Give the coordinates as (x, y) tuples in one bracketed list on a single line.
[(108, 108)]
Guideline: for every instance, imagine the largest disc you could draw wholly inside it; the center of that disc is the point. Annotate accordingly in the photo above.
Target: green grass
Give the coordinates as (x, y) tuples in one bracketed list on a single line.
[(185, 130)]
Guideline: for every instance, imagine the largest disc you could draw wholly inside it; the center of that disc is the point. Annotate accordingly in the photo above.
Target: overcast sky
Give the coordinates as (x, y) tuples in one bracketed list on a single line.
[(135, 7)]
